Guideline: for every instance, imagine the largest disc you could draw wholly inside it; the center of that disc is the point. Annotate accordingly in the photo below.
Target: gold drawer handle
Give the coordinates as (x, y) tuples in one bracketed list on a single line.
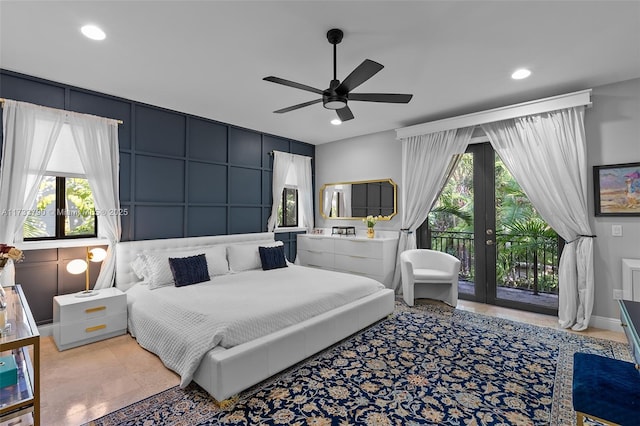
[(96, 328), (96, 309)]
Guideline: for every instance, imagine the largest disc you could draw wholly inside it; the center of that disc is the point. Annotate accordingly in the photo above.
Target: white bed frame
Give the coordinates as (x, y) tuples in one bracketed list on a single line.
[(225, 372)]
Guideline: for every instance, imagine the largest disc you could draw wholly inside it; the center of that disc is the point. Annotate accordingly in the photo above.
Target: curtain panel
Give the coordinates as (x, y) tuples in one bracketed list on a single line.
[(30, 136), (546, 154), (292, 169), (30, 133), (96, 140), (426, 163)]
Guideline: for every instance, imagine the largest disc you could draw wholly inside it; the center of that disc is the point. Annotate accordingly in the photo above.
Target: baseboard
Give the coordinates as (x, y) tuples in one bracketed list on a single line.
[(45, 330), (611, 324)]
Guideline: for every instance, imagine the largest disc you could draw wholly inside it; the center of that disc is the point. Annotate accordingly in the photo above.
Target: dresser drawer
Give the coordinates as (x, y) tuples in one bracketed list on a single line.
[(359, 265), (315, 244), (363, 248), (91, 329), (93, 309), (316, 258)]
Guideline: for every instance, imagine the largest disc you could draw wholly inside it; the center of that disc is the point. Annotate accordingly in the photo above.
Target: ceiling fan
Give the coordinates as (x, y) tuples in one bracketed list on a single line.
[(339, 93)]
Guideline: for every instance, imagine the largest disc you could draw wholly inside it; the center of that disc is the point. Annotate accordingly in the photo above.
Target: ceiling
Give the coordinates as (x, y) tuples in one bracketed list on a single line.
[(208, 58)]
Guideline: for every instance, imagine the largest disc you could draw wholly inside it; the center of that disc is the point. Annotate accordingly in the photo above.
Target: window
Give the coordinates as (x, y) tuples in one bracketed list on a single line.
[(63, 209), (288, 209)]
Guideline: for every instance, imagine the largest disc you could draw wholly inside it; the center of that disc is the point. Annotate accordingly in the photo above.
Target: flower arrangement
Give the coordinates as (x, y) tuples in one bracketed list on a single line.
[(371, 220), (9, 252)]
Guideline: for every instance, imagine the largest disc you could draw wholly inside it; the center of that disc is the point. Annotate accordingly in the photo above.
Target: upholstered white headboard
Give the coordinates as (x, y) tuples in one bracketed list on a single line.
[(127, 251)]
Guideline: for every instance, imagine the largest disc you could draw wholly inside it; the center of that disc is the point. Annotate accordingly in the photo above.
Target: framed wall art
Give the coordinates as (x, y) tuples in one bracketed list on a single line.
[(617, 189)]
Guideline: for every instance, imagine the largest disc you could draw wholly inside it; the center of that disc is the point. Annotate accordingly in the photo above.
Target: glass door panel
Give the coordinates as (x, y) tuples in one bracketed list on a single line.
[(508, 254)]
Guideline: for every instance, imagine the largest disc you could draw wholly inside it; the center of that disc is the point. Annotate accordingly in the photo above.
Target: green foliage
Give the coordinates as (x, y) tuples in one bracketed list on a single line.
[(79, 207), (80, 202), (453, 210)]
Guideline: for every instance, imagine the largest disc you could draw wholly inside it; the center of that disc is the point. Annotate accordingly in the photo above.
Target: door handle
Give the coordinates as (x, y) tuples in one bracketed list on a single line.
[(489, 231), (489, 242)]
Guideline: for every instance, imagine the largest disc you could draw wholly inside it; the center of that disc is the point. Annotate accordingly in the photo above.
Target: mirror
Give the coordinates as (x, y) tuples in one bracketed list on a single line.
[(356, 200)]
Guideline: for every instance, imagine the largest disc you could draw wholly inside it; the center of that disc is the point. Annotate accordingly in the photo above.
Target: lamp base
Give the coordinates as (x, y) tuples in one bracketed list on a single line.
[(87, 293)]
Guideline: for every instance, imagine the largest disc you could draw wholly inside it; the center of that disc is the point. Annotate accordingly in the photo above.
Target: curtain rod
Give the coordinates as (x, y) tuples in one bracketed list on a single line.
[(270, 153), (537, 106), (117, 121)]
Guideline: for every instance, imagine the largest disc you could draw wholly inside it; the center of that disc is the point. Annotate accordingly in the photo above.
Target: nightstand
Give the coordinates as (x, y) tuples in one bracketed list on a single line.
[(81, 320)]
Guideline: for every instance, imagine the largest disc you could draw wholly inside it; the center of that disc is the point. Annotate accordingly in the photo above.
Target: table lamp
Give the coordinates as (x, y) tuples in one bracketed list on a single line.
[(78, 266)]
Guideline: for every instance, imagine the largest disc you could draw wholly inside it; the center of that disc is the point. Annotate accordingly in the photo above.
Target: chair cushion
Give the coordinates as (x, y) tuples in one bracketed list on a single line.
[(607, 388), (431, 275)]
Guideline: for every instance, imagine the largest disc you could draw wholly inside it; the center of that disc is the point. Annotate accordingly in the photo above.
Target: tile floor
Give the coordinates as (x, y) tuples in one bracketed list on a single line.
[(81, 384)]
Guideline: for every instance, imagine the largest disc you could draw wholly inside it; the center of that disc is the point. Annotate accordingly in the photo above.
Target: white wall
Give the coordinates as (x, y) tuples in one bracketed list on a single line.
[(612, 127), (375, 156)]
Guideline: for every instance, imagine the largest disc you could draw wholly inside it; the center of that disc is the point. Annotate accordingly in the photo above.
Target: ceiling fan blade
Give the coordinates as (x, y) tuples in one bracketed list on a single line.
[(394, 98), (344, 114), (362, 73), (293, 84), (294, 107)]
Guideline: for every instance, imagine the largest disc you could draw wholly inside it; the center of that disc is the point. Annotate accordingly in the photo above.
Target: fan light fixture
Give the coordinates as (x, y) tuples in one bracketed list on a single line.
[(336, 122), (93, 32), (335, 102), (339, 93), (78, 266)]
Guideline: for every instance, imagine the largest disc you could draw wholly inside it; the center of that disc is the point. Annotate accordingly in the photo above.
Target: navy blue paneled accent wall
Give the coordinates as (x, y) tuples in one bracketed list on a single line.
[(180, 176)]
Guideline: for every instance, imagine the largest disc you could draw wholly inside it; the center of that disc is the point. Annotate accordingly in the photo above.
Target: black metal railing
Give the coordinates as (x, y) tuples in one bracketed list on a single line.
[(524, 262)]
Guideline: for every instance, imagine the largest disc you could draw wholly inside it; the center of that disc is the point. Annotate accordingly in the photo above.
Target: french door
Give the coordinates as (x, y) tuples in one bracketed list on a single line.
[(508, 254)]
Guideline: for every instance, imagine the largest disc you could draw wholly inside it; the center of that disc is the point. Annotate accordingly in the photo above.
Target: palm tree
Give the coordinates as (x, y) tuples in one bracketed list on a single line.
[(530, 234)]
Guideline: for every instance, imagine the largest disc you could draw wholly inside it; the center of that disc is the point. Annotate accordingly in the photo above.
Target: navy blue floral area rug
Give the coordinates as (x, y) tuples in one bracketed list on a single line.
[(429, 364)]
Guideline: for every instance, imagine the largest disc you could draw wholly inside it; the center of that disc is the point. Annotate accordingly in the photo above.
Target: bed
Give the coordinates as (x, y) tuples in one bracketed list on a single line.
[(247, 324)]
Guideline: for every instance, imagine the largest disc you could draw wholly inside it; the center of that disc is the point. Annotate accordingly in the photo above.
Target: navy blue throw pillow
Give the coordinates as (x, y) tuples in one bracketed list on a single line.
[(189, 270), (272, 257)]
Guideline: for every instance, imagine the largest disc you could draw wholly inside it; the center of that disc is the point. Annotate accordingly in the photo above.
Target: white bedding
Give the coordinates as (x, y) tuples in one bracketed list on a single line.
[(181, 324)]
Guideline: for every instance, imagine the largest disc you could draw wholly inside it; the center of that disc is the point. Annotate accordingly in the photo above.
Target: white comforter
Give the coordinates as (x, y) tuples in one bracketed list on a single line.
[(181, 324)]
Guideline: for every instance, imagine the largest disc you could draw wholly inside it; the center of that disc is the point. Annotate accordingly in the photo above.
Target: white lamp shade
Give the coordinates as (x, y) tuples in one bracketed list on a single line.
[(97, 254), (76, 266)]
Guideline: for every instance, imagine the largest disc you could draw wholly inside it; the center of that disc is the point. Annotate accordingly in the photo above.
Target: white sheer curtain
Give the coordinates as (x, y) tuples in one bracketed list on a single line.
[(327, 201), (546, 154), (425, 162), (345, 210), (30, 133), (281, 165), (302, 165), (294, 170), (96, 141)]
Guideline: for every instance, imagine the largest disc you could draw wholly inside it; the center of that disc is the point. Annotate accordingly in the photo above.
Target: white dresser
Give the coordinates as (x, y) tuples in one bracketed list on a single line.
[(81, 320), (371, 257)]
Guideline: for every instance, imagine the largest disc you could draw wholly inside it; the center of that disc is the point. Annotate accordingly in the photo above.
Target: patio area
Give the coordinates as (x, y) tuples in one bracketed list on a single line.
[(524, 296)]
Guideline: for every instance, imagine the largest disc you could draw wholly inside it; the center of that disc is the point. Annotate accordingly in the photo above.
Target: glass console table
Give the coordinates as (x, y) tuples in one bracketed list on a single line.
[(630, 321), (20, 338)]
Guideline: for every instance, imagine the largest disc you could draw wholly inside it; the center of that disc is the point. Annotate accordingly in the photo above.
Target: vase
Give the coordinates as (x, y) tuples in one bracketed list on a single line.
[(370, 232)]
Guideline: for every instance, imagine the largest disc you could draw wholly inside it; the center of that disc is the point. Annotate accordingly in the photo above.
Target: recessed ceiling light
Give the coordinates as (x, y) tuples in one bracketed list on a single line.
[(93, 32), (520, 74), (336, 122)]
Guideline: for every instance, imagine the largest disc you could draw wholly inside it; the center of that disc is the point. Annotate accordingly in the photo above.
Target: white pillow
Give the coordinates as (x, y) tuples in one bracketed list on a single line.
[(159, 272), (139, 267), (217, 260), (244, 257)]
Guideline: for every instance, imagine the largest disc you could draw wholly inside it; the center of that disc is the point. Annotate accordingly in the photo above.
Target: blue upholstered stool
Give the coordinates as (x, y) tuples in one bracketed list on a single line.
[(605, 389)]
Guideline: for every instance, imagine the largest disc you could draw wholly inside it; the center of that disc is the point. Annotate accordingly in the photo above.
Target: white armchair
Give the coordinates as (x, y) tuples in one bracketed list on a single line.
[(429, 274)]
